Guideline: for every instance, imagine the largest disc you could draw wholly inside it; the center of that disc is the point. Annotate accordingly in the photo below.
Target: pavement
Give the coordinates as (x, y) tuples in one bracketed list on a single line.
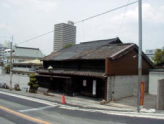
[(127, 105), (79, 101), (149, 101)]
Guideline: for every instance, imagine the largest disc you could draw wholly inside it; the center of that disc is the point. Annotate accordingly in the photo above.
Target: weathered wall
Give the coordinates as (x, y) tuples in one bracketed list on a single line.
[(154, 76), (124, 86)]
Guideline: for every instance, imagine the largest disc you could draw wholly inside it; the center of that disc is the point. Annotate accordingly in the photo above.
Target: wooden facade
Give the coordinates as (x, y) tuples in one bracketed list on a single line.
[(126, 65), (75, 84), (80, 65)]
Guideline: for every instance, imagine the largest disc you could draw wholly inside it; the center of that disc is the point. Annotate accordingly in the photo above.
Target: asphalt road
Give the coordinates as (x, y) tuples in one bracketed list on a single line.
[(28, 111)]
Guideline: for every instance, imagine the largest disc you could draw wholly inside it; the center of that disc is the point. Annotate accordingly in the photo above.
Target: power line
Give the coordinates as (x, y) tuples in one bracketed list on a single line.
[(38, 36), (88, 18), (114, 9)]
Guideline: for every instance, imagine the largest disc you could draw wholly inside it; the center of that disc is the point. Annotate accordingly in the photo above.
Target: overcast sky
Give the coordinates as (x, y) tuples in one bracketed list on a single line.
[(28, 18)]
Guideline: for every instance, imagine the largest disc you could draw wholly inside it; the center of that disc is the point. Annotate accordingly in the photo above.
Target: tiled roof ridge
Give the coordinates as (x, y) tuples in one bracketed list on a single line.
[(27, 48), (93, 41)]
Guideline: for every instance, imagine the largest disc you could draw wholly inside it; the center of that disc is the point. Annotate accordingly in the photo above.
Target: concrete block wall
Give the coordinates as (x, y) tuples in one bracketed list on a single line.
[(160, 95), (124, 86)]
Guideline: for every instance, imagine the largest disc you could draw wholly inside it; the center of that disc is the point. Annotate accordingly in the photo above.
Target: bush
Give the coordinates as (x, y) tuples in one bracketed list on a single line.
[(33, 83), (7, 69), (17, 87)]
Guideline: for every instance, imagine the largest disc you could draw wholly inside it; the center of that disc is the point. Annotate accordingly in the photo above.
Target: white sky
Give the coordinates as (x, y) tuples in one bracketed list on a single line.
[(28, 18)]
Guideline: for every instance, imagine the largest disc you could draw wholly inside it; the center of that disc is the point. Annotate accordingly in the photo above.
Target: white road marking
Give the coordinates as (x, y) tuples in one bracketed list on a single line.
[(37, 109), (30, 98), (128, 114)]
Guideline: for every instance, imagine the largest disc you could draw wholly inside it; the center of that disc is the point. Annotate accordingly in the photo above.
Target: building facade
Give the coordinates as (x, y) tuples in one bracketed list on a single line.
[(105, 69), (64, 34), (2, 53)]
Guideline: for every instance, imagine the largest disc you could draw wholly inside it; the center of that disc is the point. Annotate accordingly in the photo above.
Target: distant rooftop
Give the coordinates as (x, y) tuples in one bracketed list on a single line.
[(27, 52)]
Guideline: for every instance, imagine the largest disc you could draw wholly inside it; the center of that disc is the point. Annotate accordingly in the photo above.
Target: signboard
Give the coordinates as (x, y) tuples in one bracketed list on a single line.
[(94, 88)]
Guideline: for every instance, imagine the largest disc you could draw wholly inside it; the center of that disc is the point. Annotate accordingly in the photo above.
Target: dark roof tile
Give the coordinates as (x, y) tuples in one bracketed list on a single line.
[(88, 50)]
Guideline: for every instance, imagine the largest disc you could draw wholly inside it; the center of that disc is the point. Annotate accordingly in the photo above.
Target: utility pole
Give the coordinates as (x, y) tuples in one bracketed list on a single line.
[(11, 51), (140, 53)]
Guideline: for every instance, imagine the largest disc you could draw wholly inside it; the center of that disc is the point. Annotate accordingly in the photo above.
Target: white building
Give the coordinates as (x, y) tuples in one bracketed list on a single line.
[(21, 54), (150, 53), (64, 34)]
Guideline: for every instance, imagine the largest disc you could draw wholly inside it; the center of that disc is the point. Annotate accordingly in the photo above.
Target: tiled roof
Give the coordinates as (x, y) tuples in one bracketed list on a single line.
[(27, 52), (89, 50)]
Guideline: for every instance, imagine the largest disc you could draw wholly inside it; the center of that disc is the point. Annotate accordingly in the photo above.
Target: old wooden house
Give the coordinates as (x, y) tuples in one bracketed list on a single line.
[(105, 69)]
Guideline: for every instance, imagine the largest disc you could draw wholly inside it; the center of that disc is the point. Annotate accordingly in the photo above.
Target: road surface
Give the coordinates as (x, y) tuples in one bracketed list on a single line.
[(26, 110)]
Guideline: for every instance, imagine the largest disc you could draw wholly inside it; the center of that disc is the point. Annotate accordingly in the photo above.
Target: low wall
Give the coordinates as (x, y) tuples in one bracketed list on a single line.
[(22, 80), (160, 95), (154, 77), (2, 71), (124, 86)]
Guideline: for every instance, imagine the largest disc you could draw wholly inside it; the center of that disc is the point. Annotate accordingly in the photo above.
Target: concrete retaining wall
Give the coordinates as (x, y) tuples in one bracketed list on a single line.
[(160, 95), (124, 86), (154, 76)]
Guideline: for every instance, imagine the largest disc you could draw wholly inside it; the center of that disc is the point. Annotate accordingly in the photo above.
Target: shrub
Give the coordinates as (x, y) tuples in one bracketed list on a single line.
[(17, 87), (7, 69), (33, 83)]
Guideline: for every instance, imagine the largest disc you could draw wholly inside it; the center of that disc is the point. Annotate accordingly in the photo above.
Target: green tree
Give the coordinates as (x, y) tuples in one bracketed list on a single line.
[(159, 56), (69, 45), (33, 83)]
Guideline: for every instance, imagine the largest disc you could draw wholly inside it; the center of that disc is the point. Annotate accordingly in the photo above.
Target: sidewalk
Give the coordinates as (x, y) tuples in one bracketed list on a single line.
[(94, 105), (73, 101)]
